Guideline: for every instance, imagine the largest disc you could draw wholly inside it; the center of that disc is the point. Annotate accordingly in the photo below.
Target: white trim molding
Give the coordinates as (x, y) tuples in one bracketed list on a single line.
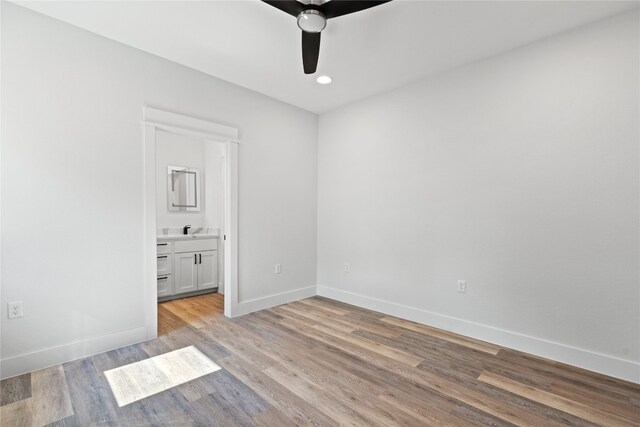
[(190, 126), (231, 282), (257, 304), (609, 365), (17, 365)]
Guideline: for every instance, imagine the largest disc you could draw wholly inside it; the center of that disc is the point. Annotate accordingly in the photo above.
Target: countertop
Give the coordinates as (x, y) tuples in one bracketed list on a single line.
[(199, 236)]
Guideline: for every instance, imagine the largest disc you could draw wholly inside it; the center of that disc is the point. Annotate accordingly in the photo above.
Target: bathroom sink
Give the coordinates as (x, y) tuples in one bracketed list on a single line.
[(187, 236), (202, 235), (194, 233)]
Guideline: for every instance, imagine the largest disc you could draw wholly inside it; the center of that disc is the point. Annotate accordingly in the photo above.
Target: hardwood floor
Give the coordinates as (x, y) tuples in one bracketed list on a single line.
[(324, 363)]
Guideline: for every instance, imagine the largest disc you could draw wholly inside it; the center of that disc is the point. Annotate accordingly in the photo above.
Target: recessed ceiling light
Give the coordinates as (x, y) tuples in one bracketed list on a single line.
[(324, 80)]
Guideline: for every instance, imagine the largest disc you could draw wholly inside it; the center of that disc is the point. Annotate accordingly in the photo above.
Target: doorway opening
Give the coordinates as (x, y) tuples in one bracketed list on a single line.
[(191, 237), (189, 220)]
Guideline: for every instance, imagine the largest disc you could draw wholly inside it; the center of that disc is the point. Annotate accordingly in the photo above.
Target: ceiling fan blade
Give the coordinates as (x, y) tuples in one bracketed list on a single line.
[(310, 51), (292, 7), (335, 8)]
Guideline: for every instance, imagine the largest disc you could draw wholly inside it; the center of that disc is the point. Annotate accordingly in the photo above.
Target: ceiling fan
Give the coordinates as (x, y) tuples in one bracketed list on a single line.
[(312, 18)]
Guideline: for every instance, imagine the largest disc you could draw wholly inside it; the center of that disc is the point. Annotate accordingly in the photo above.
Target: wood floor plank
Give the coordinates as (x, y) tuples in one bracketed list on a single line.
[(358, 390), (198, 388), (430, 414), (307, 311), (438, 353), (340, 411), (472, 397), (369, 314), (293, 321), (392, 353), (17, 414), (495, 396), (214, 409), (238, 341), (362, 397), (90, 394), (65, 422), (448, 336), (595, 399), (15, 388), (285, 400), (169, 322), (272, 417), (323, 306), (238, 394), (186, 311), (572, 374), (374, 326), (609, 402), (50, 396), (267, 326), (558, 402)]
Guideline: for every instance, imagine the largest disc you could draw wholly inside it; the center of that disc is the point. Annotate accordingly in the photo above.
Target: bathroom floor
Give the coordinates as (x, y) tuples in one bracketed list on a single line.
[(196, 311)]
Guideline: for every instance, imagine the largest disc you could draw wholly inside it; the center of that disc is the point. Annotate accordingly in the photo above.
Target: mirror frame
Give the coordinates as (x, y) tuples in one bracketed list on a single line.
[(172, 171)]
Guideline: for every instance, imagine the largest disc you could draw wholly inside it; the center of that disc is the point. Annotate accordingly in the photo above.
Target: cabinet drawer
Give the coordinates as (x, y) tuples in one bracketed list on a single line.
[(195, 245), (165, 286), (163, 248), (164, 264)]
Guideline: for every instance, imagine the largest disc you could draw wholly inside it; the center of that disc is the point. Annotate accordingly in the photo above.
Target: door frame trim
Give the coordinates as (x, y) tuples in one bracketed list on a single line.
[(156, 119)]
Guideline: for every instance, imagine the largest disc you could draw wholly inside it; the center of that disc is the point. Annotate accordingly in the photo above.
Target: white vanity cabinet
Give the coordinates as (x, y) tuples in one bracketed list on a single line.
[(190, 266), (164, 258)]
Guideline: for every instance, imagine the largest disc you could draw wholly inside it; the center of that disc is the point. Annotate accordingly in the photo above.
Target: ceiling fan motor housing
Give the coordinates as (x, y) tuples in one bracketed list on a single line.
[(312, 20)]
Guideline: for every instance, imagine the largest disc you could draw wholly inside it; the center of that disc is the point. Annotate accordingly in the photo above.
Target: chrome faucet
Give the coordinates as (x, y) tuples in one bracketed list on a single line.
[(185, 229)]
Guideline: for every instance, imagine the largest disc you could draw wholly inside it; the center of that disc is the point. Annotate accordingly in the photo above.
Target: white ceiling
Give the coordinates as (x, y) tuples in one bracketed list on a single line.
[(257, 46)]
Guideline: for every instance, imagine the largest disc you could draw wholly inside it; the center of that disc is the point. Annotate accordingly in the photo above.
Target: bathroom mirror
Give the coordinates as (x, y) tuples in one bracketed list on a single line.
[(183, 189)]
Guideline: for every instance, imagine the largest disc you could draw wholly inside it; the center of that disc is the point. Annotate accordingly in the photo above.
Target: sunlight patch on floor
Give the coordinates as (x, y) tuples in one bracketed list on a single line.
[(130, 383)]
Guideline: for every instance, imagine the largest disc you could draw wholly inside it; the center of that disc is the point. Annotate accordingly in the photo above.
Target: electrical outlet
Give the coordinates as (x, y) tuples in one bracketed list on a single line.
[(347, 267), (15, 309), (462, 286), (278, 269)]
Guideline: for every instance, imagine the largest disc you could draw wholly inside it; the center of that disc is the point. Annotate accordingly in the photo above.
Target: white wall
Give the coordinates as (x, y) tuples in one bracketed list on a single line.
[(519, 174), (179, 150), (72, 186)]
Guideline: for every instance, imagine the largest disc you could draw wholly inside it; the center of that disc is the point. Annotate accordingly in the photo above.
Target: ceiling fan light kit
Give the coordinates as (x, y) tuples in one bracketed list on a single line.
[(312, 19)]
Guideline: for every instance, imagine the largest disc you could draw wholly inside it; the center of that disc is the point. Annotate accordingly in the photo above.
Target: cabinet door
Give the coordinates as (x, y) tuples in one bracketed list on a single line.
[(186, 272), (208, 270), (165, 286)]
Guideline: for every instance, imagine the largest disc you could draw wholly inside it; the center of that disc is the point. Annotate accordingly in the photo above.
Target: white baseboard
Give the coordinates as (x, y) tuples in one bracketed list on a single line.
[(252, 305), (16, 365), (598, 362)]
